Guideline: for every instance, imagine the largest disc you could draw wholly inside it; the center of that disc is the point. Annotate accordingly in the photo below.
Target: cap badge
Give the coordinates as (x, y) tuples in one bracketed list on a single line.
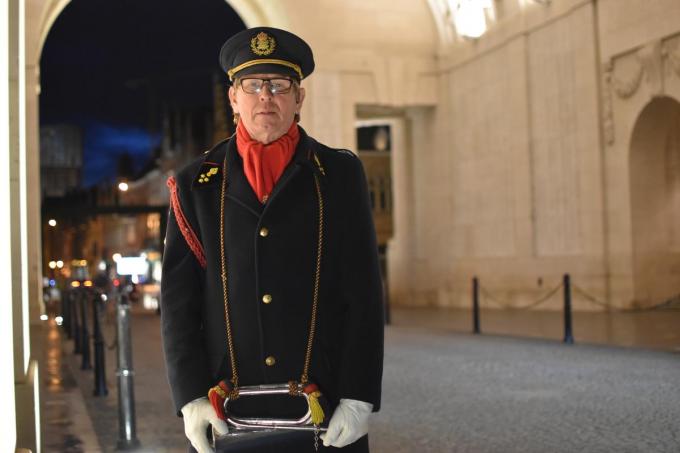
[(262, 44)]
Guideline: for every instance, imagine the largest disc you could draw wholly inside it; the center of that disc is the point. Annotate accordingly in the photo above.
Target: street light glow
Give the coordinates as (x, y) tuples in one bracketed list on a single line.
[(52, 264), (123, 186), (52, 222), (60, 264)]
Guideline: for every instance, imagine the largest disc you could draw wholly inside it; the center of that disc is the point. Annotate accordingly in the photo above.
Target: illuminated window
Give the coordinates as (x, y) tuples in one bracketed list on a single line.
[(153, 225)]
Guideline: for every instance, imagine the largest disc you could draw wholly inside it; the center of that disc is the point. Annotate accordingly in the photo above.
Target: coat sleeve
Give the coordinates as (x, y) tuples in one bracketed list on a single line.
[(181, 316), (361, 288)]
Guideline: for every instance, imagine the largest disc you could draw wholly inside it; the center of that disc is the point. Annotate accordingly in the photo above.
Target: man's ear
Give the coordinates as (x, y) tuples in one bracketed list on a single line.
[(232, 99), (300, 97)]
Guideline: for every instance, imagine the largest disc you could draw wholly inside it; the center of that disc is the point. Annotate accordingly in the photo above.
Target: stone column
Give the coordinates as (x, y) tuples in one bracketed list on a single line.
[(8, 107), (33, 190)]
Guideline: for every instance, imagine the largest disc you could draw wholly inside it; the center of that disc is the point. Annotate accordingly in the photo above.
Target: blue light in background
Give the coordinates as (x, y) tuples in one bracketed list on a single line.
[(103, 144)]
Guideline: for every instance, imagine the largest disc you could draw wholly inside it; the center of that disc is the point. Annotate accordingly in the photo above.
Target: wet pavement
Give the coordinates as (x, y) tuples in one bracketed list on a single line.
[(444, 390), (67, 426)]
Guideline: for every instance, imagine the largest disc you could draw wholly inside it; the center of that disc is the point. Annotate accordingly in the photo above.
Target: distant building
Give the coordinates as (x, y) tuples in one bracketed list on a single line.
[(61, 159)]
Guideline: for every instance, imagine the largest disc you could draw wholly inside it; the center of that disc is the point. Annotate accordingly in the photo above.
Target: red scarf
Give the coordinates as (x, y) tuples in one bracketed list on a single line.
[(264, 164)]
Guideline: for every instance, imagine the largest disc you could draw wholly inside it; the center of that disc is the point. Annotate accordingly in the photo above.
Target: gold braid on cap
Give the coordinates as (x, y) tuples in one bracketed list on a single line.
[(250, 63)]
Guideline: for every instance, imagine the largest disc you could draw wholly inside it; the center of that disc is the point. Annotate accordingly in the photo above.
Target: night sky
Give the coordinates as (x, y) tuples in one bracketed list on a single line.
[(108, 64)]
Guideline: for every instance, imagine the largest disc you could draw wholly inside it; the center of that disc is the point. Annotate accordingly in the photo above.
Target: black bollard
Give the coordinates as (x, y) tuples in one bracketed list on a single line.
[(66, 313), (386, 302), (75, 322), (99, 364), (475, 305), (84, 332), (127, 425), (568, 336)]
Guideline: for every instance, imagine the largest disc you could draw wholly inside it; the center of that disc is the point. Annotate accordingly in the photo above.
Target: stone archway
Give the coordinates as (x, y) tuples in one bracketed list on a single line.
[(250, 13), (655, 202), (42, 15)]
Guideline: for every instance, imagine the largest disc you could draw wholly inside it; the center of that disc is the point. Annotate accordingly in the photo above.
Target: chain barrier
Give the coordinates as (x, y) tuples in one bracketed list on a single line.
[(670, 304), (488, 296), (590, 298), (567, 285)]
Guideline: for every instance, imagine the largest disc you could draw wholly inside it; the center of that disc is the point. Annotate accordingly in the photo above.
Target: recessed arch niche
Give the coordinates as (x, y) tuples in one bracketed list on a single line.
[(655, 202)]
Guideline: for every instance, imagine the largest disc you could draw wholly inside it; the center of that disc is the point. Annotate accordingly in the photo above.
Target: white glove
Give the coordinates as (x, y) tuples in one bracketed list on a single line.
[(348, 423), (198, 414)]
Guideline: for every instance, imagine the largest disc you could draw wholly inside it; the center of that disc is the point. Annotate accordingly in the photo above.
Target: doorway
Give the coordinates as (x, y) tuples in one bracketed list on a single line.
[(655, 202)]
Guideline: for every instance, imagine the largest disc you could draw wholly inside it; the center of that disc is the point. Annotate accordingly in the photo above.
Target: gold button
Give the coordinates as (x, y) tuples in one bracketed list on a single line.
[(264, 232), (267, 298), (270, 361)]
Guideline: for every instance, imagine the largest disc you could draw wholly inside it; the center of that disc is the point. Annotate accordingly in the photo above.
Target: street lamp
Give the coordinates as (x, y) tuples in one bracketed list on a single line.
[(52, 222), (123, 186)]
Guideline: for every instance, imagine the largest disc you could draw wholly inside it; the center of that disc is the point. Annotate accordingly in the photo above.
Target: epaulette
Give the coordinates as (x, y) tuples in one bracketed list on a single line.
[(210, 170), (345, 151), (209, 173)]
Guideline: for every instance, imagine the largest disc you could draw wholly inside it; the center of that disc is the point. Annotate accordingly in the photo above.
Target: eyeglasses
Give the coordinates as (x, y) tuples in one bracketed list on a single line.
[(276, 86)]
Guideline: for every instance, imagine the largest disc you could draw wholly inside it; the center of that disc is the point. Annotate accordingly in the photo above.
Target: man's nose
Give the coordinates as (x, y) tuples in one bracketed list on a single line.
[(265, 91)]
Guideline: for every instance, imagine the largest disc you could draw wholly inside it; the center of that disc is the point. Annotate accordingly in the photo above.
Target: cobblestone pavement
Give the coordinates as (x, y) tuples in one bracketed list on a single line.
[(445, 392), (464, 393)]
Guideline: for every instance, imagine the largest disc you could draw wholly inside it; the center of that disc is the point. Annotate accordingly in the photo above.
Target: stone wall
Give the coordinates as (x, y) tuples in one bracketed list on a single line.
[(529, 176), (515, 155)]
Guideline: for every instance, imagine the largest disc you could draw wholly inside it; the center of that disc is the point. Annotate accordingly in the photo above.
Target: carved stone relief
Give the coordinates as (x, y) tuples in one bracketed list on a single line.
[(650, 59), (624, 74), (627, 74), (607, 115), (670, 51)]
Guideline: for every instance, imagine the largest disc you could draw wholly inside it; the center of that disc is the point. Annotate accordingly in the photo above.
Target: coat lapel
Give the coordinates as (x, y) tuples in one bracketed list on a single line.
[(298, 162), (238, 187)]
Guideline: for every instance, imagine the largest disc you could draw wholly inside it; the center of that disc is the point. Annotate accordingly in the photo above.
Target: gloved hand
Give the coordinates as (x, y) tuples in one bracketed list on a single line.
[(198, 414), (348, 423)]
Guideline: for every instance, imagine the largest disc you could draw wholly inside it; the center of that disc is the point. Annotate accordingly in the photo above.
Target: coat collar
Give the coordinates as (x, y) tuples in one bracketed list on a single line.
[(240, 190)]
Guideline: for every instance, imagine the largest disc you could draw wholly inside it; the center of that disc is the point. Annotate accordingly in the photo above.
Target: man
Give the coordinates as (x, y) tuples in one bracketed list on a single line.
[(270, 273)]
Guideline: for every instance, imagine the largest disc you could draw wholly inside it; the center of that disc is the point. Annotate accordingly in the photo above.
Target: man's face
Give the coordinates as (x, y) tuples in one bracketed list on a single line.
[(266, 116)]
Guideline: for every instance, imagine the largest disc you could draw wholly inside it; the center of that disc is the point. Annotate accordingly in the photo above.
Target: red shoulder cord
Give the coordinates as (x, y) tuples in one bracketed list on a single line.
[(188, 233)]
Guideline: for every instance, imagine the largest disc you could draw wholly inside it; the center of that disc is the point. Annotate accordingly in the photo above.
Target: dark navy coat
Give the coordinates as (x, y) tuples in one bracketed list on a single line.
[(348, 348)]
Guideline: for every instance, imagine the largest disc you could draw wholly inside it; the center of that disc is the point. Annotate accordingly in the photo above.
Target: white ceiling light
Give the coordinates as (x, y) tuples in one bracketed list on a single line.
[(470, 16)]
